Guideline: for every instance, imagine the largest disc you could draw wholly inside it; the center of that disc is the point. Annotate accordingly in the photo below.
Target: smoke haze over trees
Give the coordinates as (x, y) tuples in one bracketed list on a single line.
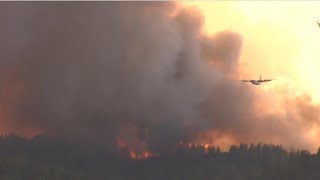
[(53, 158), (143, 72)]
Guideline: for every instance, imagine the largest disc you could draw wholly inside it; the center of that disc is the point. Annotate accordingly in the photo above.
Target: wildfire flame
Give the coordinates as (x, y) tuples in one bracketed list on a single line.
[(134, 154), (190, 145), (142, 154)]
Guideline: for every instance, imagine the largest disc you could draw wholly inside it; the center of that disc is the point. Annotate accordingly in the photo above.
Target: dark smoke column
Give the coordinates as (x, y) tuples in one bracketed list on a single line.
[(97, 71)]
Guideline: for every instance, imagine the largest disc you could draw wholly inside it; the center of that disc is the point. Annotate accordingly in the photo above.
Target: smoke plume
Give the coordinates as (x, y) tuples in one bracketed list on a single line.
[(142, 72)]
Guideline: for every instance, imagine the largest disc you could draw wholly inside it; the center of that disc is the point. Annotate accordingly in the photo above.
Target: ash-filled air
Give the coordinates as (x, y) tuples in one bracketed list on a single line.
[(143, 72)]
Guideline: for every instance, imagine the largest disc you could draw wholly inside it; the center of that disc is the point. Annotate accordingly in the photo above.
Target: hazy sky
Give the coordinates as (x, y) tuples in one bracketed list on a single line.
[(156, 73), (281, 39)]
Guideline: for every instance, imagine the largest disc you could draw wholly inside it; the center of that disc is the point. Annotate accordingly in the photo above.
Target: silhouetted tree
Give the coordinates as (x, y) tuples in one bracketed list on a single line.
[(46, 157)]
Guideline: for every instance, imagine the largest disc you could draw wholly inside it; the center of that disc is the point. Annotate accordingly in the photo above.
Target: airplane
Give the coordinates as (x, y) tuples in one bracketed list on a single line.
[(318, 23), (259, 81)]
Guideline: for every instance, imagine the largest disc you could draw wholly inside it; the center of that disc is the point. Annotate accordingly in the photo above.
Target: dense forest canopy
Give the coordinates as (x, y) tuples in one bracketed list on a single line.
[(46, 157)]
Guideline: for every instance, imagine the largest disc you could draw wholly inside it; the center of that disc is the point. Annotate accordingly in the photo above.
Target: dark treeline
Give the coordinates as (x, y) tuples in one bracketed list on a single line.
[(54, 158)]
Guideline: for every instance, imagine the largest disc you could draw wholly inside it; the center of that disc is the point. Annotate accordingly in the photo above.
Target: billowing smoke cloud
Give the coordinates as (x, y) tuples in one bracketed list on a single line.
[(141, 72)]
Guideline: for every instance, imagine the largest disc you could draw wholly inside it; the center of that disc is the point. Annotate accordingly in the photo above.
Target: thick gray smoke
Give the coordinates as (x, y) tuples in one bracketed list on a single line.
[(97, 71)]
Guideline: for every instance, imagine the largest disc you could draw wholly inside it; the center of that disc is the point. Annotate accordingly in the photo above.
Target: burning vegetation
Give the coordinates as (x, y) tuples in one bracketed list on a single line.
[(204, 149), (47, 157), (134, 153), (143, 76)]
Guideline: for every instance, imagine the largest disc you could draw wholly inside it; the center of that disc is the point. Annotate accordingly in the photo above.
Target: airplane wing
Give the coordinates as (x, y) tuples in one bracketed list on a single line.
[(266, 80), (318, 23), (246, 80)]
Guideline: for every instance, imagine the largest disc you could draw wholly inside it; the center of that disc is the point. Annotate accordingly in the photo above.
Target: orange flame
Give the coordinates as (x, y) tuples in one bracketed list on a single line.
[(134, 153), (205, 146), (144, 155)]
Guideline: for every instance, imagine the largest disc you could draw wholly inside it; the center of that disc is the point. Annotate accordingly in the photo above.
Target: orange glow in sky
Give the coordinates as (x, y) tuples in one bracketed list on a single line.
[(280, 39)]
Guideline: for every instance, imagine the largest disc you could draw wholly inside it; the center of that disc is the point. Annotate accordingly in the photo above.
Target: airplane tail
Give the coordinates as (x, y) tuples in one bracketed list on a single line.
[(260, 77)]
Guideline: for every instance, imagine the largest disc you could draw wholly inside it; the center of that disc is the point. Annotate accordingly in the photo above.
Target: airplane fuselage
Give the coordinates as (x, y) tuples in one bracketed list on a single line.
[(256, 82)]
